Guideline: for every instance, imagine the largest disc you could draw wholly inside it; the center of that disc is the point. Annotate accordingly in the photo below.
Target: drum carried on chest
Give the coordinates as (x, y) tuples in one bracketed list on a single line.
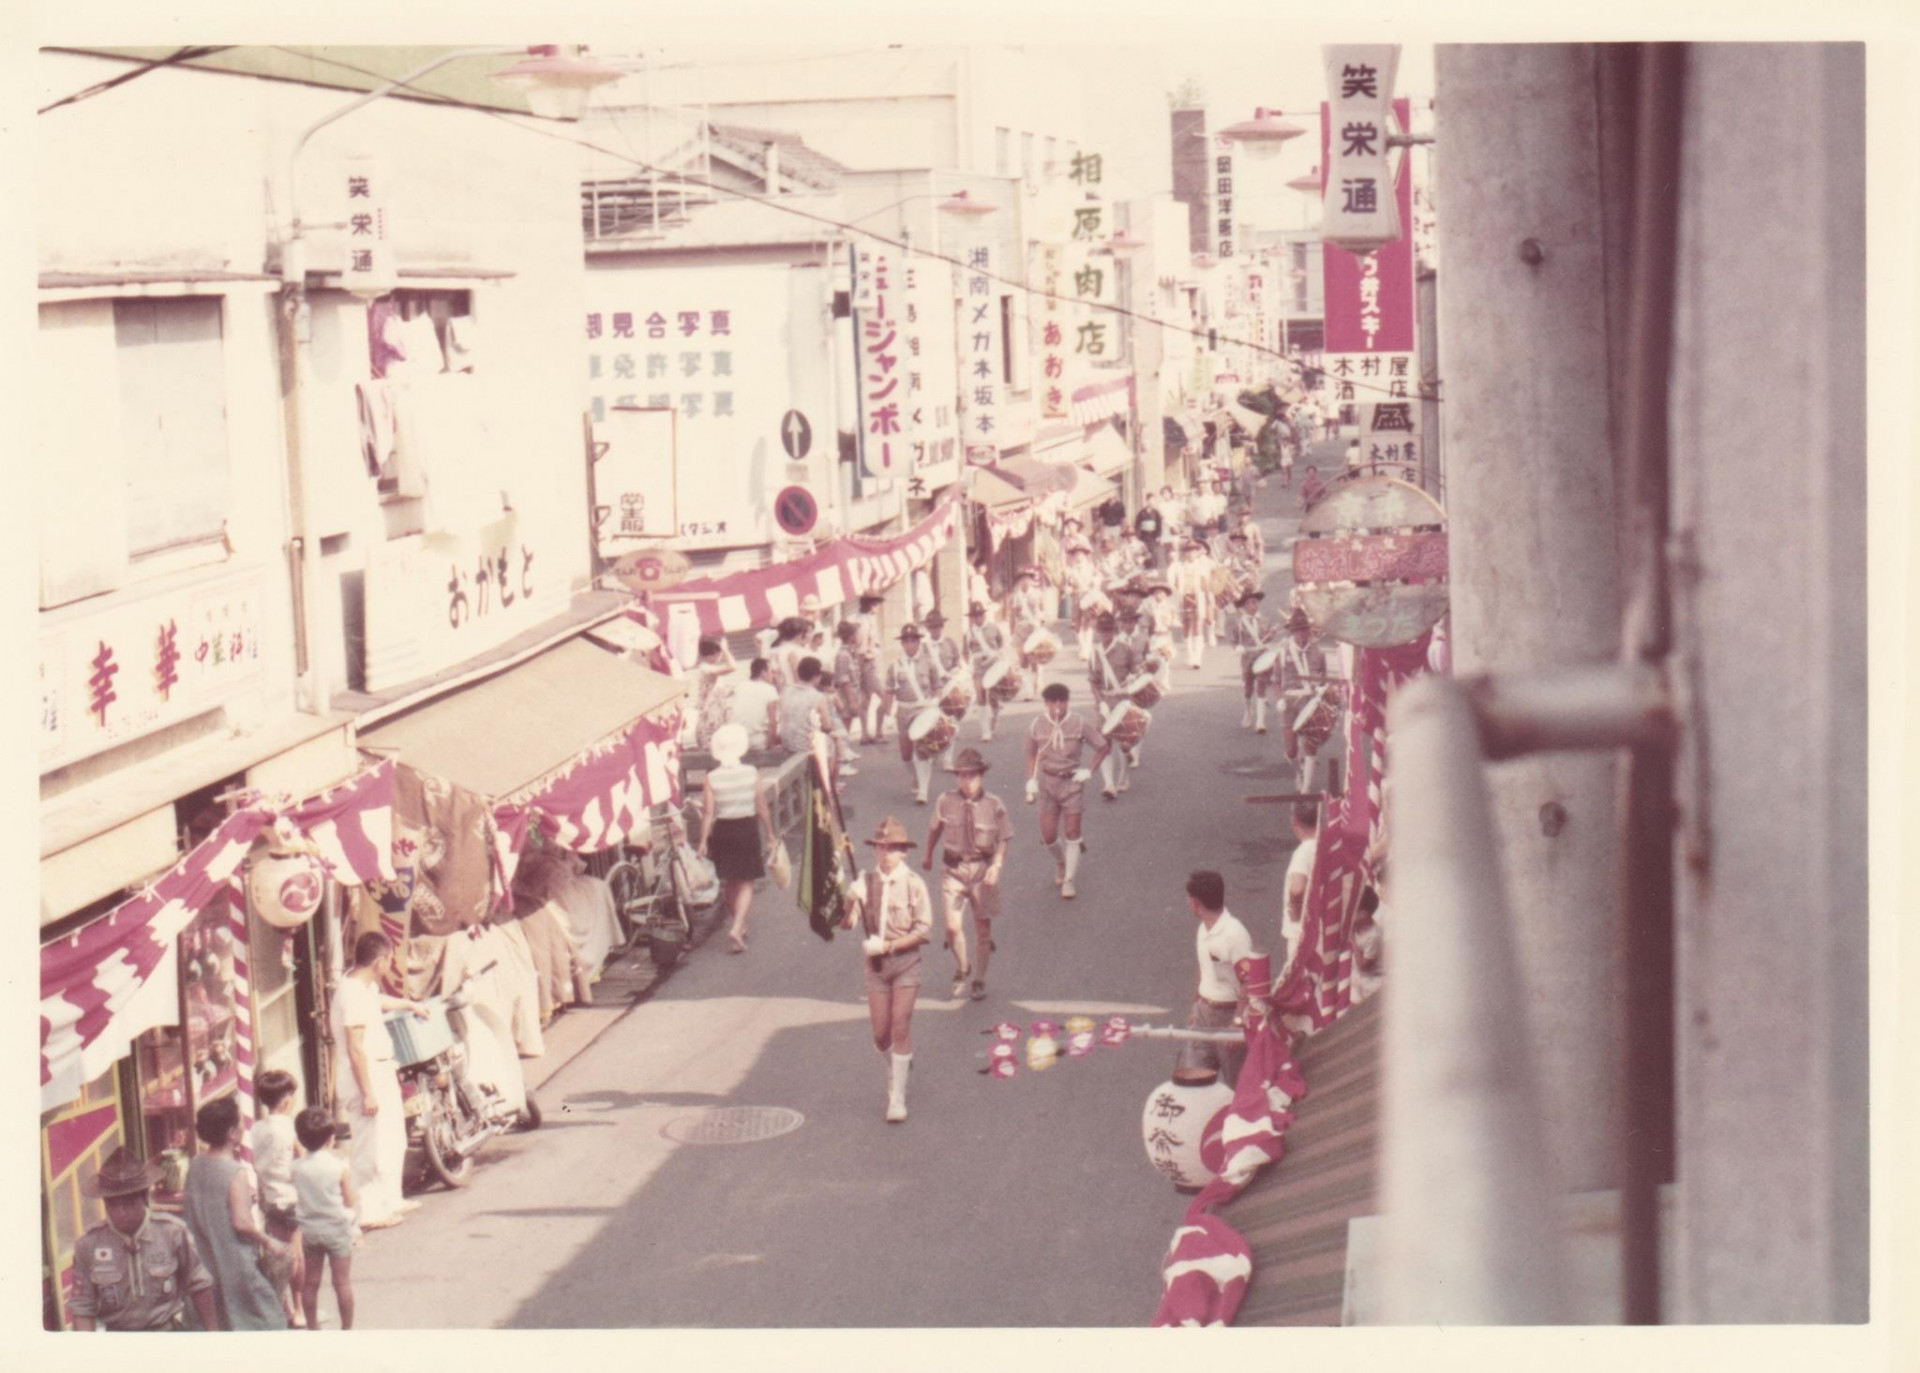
[(1317, 717), (931, 732), (1226, 587), (1001, 682), (956, 698), (1264, 661), (1041, 646), (1125, 724), (1143, 690)]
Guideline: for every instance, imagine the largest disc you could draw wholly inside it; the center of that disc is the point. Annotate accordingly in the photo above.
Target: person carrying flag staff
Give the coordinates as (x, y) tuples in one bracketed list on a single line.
[(977, 830), (1057, 779), (891, 906)]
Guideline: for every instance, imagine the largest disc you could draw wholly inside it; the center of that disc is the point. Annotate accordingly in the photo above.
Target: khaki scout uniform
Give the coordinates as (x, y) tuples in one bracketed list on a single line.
[(894, 906), (1054, 748), (970, 836), (139, 1282)]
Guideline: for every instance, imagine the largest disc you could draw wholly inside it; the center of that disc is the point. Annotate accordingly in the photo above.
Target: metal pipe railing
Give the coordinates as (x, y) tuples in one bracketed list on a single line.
[(1470, 1220)]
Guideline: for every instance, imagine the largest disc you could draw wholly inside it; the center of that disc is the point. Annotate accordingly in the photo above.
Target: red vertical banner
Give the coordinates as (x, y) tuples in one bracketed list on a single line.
[(1369, 301)]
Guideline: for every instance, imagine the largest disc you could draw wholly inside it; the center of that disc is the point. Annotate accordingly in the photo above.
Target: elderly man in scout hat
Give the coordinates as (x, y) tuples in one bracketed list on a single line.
[(139, 1269), (892, 907), (977, 830), (913, 684)]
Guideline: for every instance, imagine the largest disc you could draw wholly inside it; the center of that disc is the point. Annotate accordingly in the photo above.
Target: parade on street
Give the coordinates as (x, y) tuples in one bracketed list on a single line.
[(884, 686)]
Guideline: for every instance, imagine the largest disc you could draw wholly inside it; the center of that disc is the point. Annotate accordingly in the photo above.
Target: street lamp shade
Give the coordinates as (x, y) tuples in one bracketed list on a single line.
[(1205, 260), (1262, 135), (556, 83), (960, 203), (1306, 184), (1120, 241)]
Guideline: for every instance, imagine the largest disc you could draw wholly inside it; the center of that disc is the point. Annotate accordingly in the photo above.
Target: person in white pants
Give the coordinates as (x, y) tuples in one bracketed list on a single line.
[(368, 1091)]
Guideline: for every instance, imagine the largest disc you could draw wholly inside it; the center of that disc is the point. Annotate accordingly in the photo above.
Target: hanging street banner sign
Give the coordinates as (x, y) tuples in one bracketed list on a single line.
[(981, 347), (1360, 213), (932, 434)]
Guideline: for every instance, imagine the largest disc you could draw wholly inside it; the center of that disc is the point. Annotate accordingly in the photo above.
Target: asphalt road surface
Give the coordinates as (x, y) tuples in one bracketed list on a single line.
[(1027, 1202)]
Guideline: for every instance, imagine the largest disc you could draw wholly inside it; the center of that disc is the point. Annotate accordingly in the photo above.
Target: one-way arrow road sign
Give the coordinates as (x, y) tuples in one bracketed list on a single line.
[(796, 435)]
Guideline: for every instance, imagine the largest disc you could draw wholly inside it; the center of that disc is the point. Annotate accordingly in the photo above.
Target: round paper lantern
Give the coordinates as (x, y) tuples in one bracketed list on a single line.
[(284, 888), (1176, 1116)]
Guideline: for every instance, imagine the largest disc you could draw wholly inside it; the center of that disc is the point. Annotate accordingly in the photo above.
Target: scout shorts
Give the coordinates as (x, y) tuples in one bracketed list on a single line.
[(968, 883), (1061, 795), (893, 970)]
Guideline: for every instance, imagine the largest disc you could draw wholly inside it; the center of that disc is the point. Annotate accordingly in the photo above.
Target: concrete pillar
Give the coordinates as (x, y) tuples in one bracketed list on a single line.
[(1770, 485), (1530, 486)]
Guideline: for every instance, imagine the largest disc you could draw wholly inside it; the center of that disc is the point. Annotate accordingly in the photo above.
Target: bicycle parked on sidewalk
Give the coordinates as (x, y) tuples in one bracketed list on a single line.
[(658, 889)]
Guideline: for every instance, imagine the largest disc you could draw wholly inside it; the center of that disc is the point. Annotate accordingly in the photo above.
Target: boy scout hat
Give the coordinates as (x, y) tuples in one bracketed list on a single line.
[(1105, 622), (935, 619), (969, 761), (122, 1175), (912, 631), (890, 835), (1299, 620), (976, 609)]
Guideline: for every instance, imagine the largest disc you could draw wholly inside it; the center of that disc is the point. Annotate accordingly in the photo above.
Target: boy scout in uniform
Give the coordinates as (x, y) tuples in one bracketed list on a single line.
[(947, 657), (139, 1270), (890, 904), (986, 645), (1057, 779), (913, 684), (977, 830), (1112, 667)]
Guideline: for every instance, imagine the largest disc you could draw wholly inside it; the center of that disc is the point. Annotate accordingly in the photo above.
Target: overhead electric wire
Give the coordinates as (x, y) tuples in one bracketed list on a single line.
[(1218, 338), (102, 87)]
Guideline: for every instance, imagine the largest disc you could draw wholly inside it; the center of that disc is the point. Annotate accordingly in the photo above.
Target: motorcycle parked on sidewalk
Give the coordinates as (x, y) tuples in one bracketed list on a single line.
[(460, 1081)]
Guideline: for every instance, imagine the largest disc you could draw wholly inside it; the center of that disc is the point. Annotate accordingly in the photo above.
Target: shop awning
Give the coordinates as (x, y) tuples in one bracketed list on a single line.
[(504, 734), (98, 985), (1095, 404)]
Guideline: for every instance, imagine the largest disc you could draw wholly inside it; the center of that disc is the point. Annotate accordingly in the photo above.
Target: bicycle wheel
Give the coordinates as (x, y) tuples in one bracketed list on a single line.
[(630, 897)]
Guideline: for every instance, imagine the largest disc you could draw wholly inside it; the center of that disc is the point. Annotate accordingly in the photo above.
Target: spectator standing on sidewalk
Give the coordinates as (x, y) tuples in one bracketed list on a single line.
[(366, 1084), (734, 820), (223, 1213), (1220, 942)]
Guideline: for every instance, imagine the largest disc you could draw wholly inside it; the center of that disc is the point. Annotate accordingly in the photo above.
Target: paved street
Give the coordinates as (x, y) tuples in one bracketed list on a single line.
[(1027, 1202)]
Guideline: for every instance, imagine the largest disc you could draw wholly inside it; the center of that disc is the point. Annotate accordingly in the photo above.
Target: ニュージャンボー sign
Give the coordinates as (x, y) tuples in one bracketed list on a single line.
[(730, 351)]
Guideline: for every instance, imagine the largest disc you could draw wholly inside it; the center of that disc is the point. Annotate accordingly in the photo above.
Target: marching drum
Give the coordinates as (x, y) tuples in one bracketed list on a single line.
[(1263, 664), (931, 732), (1041, 645), (1143, 691), (957, 699), (1125, 724), (1001, 682), (1317, 718), (1225, 586)]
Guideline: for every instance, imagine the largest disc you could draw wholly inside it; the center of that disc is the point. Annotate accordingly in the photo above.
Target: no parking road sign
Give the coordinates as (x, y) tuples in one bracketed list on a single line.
[(796, 511)]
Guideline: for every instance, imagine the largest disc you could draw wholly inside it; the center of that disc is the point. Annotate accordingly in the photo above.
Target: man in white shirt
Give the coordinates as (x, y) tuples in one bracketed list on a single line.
[(1306, 830), (756, 706), (1220, 943)]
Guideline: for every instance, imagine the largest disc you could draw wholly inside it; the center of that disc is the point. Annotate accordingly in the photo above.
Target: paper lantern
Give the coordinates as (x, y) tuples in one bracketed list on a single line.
[(284, 887), (1176, 1116)]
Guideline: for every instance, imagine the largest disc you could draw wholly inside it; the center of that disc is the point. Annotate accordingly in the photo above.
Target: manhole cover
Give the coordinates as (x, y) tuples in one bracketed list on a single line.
[(733, 1125)]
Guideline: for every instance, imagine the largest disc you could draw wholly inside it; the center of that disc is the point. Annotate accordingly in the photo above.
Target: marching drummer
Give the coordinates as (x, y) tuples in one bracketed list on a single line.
[(1057, 779), (1193, 584), (1112, 669), (1304, 677), (1161, 617), (1083, 581), (913, 681), (1249, 529), (977, 830), (986, 645), (1027, 612), (1253, 637), (892, 906), (947, 658)]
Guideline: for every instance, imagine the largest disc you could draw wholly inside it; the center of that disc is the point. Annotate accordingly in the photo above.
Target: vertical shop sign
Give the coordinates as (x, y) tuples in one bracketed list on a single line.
[(883, 442), (1050, 327), (1222, 184), (981, 348), (1361, 212), (933, 439), (369, 269)]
